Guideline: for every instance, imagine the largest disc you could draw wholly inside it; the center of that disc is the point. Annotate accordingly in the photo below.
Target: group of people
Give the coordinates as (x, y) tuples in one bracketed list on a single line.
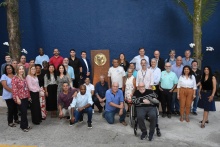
[(64, 84)]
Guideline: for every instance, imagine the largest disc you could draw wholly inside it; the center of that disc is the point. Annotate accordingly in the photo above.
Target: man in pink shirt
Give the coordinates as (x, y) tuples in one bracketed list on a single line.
[(56, 60)]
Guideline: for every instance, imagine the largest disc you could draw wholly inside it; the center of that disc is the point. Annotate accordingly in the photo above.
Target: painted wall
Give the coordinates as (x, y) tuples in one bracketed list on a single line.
[(117, 25)]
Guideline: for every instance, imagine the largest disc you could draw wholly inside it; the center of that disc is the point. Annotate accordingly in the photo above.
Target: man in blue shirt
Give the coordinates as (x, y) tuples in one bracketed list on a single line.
[(100, 90), (187, 60), (114, 104), (41, 57)]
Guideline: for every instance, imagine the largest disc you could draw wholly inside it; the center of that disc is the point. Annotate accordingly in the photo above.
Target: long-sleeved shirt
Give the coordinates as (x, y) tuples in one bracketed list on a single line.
[(66, 99), (33, 84), (81, 100), (177, 70), (187, 83), (19, 88), (145, 76), (157, 74), (137, 60)]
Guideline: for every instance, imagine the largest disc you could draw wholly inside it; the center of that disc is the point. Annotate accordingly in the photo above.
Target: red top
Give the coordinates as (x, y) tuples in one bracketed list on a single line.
[(19, 88), (56, 61)]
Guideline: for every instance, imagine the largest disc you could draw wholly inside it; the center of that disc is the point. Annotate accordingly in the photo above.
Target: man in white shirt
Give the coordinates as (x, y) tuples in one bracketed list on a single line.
[(117, 74), (137, 59), (41, 57), (90, 88), (145, 75), (82, 104)]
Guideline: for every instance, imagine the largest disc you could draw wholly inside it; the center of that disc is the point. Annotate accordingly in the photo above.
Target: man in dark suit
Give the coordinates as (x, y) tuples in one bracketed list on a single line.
[(86, 67), (160, 61)]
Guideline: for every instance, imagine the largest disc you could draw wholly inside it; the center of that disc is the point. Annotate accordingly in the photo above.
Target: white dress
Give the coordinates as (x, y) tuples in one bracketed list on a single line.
[(129, 87)]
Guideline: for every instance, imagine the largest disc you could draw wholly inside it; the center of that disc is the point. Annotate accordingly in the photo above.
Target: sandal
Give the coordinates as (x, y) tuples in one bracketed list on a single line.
[(17, 121), (205, 122), (181, 118), (12, 125), (25, 130), (202, 125), (187, 119)]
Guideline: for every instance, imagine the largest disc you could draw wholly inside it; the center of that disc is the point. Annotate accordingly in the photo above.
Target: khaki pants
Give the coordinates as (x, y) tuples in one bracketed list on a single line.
[(67, 112), (185, 99)]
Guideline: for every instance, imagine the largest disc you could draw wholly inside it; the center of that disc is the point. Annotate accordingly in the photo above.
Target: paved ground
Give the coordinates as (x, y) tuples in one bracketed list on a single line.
[(57, 133)]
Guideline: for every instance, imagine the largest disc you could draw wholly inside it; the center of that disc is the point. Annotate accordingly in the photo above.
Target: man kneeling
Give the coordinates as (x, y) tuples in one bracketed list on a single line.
[(82, 104), (64, 100), (145, 100), (114, 104)]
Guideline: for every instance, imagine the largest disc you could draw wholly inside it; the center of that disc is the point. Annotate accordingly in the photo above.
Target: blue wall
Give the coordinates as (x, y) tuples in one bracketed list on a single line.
[(118, 25)]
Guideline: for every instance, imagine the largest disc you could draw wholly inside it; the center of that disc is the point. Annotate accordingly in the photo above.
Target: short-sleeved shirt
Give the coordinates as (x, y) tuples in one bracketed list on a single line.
[(39, 59), (101, 89), (70, 71), (168, 80), (56, 61), (116, 75), (75, 64), (89, 87), (198, 75), (6, 94), (116, 99), (66, 99)]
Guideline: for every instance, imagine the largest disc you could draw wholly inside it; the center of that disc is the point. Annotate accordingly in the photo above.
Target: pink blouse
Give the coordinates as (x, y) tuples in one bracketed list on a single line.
[(33, 83), (19, 88)]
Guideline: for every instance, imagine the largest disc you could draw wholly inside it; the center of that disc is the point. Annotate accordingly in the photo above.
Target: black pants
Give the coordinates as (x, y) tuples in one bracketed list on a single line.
[(23, 108), (12, 110), (151, 112), (96, 102), (166, 99), (35, 108), (76, 81)]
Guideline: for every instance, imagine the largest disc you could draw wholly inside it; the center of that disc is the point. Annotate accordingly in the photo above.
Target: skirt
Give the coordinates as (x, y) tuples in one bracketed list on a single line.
[(204, 103), (51, 100)]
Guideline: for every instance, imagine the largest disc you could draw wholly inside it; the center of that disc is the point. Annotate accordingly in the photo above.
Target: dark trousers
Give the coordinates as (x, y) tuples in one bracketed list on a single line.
[(166, 99), (23, 108), (12, 110), (35, 107), (96, 102), (79, 115), (151, 112), (76, 81)]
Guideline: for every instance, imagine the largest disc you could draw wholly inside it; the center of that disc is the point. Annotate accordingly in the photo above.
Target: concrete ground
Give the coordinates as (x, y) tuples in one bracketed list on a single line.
[(57, 133)]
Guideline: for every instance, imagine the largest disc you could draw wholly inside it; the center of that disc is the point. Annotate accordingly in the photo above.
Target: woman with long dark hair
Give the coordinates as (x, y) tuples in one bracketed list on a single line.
[(21, 95), (186, 91), (62, 77), (206, 93), (7, 95), (50, 85), (122, 62)]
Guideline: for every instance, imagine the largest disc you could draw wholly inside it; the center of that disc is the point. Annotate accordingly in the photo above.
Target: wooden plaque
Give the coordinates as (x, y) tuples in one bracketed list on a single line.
[(100, 64)]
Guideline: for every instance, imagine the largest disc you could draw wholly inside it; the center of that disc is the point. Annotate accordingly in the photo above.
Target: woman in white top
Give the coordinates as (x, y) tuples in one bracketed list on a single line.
[(186, 91)]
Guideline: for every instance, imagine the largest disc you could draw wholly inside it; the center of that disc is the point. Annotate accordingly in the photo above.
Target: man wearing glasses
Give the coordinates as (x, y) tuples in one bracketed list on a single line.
[(168, 82)]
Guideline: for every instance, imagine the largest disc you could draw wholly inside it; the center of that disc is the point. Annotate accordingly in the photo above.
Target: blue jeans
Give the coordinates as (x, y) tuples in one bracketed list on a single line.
[(110, 116), (195, 102), (175, 105), (78, 114)]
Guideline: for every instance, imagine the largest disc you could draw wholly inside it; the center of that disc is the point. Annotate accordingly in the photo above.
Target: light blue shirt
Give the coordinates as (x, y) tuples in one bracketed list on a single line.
[(185, 62), (70, 71), (177, 70), (39, 59), (116, 99), (6, 94), (81, 100), (168, 80)]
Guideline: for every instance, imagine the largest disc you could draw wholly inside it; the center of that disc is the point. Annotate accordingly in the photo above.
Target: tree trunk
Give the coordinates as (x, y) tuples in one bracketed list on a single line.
[(197, 31), (13, 28)]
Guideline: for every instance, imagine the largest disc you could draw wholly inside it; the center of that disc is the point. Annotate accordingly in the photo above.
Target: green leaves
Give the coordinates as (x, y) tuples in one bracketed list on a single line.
[(3, 4), (208, 8), (185, 8)]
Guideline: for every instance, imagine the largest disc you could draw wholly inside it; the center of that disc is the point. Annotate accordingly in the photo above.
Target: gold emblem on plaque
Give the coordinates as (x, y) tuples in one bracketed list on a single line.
[(100, 59)]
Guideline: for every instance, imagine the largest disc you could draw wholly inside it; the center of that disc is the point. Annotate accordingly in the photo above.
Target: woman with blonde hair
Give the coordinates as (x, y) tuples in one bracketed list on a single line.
[(20, 94), (34, 88)]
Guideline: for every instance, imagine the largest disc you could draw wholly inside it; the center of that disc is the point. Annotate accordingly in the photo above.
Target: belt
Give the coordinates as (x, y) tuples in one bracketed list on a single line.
[(206, 91), (186, 88)]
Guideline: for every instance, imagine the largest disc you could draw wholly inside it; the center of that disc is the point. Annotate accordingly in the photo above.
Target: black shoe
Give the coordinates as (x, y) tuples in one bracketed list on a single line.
[(71, 124), (143, 135), (89, 125), (81, 119), (68, 117), (150, 137), (17, 121), (100, 110), (158, 132), (164, 115), (177, 113), (173, 113), (194, 113), (169, 115)]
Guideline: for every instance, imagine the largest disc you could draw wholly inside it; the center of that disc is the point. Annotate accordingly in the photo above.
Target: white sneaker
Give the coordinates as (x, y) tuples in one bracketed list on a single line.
[(93, 111)]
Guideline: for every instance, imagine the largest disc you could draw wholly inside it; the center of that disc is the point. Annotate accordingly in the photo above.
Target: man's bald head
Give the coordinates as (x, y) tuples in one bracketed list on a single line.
[(178, 60), (115, 86), (82, 89)]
